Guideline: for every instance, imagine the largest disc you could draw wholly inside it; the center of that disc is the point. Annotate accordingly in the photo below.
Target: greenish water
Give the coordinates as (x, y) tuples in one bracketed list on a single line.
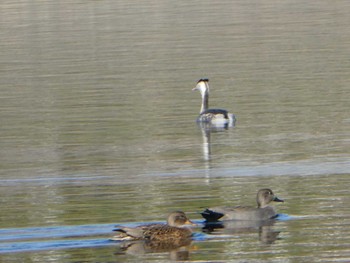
[(98, 126)]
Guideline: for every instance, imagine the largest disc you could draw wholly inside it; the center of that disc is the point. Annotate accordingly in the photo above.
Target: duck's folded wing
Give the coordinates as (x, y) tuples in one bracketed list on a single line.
[(134, 233), (215, 213)]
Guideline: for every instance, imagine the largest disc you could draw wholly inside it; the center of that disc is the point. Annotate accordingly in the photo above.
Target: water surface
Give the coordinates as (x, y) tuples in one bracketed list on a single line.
[(98, 125)]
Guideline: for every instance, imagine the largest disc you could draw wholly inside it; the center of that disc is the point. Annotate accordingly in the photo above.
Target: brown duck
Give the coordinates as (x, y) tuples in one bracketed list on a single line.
[(170, 232)]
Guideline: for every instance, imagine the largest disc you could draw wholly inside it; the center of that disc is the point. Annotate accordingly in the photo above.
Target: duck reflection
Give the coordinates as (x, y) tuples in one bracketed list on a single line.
[(264, 228), (178, 250)]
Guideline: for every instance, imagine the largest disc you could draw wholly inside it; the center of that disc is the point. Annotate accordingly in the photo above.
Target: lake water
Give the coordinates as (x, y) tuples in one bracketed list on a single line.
[(98, 126)]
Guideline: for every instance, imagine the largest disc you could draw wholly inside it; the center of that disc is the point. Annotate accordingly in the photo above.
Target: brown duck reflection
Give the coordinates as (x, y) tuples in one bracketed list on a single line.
[(178, 250), (264, 228)]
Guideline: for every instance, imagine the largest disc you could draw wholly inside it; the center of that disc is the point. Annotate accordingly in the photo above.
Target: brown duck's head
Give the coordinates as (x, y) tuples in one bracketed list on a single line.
[(265, 196), (178, 218)]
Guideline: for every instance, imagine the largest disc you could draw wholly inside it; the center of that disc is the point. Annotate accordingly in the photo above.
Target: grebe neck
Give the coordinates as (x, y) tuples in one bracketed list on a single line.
[(205, 99), (203, 87)]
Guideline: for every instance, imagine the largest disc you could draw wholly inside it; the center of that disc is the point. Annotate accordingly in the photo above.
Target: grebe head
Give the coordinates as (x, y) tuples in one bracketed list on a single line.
[(202, 86)]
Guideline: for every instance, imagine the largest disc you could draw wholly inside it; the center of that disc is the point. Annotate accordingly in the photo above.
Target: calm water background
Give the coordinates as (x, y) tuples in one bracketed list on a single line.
[(97, 124)]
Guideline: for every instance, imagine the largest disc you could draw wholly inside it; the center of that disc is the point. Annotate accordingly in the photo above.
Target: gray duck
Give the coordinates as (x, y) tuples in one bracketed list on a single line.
[(262, 212)]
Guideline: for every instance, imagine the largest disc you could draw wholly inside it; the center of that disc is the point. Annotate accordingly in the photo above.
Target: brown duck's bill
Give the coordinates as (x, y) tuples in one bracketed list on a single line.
[(276, 199), (189, 222)]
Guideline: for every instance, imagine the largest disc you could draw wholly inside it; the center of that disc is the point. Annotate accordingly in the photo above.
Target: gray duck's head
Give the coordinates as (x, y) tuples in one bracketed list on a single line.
[(265, 196)]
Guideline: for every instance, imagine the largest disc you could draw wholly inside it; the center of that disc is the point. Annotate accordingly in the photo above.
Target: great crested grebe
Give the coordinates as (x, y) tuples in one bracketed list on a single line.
[(213, 116)]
